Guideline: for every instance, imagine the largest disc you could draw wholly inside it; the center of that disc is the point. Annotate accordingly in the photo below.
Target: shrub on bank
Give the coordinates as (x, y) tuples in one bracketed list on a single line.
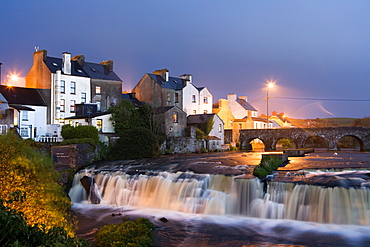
[(135, 233), (266, 166), (80, 132), (135, 143)]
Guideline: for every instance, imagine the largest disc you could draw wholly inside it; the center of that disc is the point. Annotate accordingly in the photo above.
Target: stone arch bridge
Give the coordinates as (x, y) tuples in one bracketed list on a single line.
[(299, 136)]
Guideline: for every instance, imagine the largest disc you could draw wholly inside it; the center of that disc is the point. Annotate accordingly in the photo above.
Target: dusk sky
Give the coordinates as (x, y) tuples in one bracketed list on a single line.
[(313, 49)]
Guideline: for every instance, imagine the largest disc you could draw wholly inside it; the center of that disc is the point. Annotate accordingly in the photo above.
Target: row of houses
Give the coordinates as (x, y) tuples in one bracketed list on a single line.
[(69, 90)]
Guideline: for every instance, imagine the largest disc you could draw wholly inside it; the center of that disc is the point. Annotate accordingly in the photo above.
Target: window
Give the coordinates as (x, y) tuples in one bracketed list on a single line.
[(83, 97), (62, 105), (194, 111), (98, 90), (168, 98), (24, 132), (220, 128), (205, 111), (175, 117), (24, 115), (193, 99), (205, 100), (72, 106), (62, 86), (3, 128), (240, 126), (176, 97), (99, 124), (73, 87)]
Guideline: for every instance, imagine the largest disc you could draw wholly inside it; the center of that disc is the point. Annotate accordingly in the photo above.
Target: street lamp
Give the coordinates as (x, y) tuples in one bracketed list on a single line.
[(270, 84)]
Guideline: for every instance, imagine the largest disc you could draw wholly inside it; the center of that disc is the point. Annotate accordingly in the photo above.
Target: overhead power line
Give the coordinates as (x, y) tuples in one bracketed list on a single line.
[(296, 98)]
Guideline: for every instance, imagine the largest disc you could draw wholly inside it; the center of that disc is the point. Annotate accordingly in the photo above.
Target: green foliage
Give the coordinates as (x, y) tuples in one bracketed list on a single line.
[(14, 230), (80, 132), (124, 116), (286, 143), (266, 166), (199, 134), (135, 143), (24, 168), (130, 233), (207, 126)]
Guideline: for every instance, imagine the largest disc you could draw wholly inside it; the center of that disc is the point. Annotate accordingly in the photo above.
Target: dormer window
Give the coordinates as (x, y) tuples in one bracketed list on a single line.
[(79, 71), (93, 69), (55, 64)]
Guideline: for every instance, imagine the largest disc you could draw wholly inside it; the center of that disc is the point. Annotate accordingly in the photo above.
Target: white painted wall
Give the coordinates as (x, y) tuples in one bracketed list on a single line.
[(189, 106), (82, 86), (205, 107), (216, 131), (35, 120)]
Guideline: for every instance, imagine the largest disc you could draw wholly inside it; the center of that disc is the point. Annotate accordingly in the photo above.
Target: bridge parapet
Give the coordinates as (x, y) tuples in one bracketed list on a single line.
[(299, 136)]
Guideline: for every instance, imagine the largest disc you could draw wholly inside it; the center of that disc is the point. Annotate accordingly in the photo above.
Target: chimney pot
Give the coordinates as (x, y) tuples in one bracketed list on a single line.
[(66, 63)]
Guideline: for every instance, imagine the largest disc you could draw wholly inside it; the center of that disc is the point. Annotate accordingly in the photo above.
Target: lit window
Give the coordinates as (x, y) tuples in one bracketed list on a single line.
[(24, 115), (175, 117), (194, 111), (97, 90), (62, 86), (62, 105), (72, 106), (83, 97), (73, 87), (194, 99), (205, 100), (205, 111), (99, 124)]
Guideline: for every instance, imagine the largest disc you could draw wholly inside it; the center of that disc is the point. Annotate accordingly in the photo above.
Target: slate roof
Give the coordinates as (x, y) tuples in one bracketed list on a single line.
[(22, 96), (159, 110), (91, 70), (172, 83), (245, 104), (132, 99), (91, 115), (199, 118)]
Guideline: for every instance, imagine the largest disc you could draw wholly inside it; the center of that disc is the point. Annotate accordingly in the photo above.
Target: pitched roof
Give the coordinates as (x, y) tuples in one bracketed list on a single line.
[(22, 96), (131, 97), (91, 70), (159, 110), (199, 118), (245, 104), (172, 83)]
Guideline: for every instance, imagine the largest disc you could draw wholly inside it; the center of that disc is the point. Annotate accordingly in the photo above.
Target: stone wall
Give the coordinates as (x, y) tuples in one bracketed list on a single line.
[(72, 156), (180, 145)]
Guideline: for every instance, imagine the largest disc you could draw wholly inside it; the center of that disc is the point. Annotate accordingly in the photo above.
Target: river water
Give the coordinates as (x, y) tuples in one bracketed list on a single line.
[(317, 200)]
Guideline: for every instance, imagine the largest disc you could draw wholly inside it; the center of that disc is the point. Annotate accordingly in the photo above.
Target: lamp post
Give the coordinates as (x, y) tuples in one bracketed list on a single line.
[(270, 84)]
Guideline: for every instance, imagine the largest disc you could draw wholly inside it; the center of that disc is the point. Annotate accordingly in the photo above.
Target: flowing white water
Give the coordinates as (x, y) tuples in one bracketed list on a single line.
[(222, 195)]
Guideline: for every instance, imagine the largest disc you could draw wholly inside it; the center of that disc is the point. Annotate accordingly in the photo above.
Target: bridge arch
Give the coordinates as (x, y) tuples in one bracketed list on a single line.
[(300, 135), (316, 142), (285, 142), (358, 139)]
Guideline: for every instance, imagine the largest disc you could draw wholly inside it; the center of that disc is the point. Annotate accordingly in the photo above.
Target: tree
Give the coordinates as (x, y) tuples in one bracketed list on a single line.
[(24, 168), (135, 143), (124, 116)]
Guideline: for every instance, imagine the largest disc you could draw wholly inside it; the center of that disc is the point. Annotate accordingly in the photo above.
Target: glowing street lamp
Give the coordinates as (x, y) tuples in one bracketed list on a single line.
[(270, 84)]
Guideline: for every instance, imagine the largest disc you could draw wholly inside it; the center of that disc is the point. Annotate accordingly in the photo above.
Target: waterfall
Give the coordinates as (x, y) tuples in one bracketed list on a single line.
[(225, 195)]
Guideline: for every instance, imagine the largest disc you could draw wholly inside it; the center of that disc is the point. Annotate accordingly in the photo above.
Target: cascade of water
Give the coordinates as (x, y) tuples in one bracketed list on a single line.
[(220, 195)]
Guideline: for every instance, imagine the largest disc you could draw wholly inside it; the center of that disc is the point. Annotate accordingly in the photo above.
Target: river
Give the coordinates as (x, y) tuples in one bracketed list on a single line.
[(219, 217)]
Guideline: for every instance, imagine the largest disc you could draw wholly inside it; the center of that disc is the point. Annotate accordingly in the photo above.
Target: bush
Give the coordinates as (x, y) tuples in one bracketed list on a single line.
[(14, 230), (130, 233), (266, 166), (80, 132), (136, 143)]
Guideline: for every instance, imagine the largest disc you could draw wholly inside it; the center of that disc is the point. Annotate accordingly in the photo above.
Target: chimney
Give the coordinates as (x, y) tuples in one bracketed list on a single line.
[(243, 97), (39, 56), (231, 97), (80, 59), (66, 63), (162, 72), (188, 78), (108, 64)]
